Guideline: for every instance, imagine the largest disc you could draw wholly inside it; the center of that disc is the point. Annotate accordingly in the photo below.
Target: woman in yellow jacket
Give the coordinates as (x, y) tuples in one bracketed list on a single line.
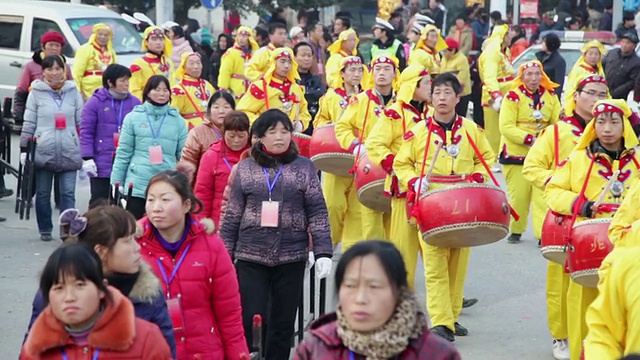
[(527, 109), (589, 63), (92, 59), (339, 191), (497, 76), (346, 45), (445, 268), (233, 62), (456, 62), (554, 144), (427, 50), (191, 94), (383, 144), (278, 89), (156, 61), (355, 125), (606, 146)]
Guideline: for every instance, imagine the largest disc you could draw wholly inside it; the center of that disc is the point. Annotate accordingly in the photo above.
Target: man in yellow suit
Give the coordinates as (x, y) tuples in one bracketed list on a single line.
[(497, 75), (528, 108), (606, 146), (355, 125), (554, 144), (191, 95), (260, 60), (339, 191), (231, 77), (92, 59), (278, 89), (156, 61), (445, 268), (345, 46), (383, 144), (427, 50)]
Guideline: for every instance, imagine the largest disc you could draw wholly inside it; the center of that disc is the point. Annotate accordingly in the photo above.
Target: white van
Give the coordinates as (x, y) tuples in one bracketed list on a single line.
[(22, 23)]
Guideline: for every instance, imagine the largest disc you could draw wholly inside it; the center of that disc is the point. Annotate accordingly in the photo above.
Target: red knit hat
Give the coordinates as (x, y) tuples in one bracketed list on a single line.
[(452, 43), (52, 36)]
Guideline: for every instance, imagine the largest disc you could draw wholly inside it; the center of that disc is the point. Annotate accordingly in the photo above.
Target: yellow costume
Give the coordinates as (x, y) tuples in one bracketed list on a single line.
[(150, 64), (336, 55), (445, 268), (624, 231), (522, 116), (563, 195), (581, 69), (460, 64), (233, 62), (259, 63), (272, 93), (427, 57), (383, 144), (191, 96), (613, 318), (352, 129), (339, 191), (91, 60), (496, 73)]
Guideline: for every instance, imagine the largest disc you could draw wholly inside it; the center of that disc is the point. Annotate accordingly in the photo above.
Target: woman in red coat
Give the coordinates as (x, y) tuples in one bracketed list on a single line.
[(217, 162), (196, 272)]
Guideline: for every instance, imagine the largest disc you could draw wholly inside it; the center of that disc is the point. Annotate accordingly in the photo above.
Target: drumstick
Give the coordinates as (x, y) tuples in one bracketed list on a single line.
[(606, 188), (433, 162)]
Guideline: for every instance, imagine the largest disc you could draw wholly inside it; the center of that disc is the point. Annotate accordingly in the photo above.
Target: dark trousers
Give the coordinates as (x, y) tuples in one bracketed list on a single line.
[(282, 285), (463, 106), (100, 189), (136, 206)]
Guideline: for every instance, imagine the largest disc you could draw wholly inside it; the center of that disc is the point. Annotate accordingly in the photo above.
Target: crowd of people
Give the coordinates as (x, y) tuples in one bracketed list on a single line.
[(227, 210)]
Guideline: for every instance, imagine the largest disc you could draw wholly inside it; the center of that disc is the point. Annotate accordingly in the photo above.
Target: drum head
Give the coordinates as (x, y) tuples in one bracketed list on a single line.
[(372, 196), (334, 163), (586, 278), (556, 254), (466, 235)]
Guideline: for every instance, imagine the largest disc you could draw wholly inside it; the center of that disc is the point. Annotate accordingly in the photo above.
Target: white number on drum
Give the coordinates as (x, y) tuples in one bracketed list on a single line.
[(456, 210)]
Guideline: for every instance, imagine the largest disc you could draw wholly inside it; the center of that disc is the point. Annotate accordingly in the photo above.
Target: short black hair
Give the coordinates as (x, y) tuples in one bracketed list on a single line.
[(346, 22), (178, 31), (447, 79), (269, 119), (496, 15), (221, 94), (274, 26), (114, 72), (388, 255), (311, 27), (345, 14), (631, 357), (153, 83), (50, 60), (72, 259), (552, 41), (299, 45)]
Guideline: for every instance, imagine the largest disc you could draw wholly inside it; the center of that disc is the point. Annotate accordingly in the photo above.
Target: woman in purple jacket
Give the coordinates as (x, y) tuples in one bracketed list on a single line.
[(102, 118)]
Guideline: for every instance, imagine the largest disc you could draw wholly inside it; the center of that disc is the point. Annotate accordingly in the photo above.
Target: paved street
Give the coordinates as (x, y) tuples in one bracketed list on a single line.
[(509, 321)]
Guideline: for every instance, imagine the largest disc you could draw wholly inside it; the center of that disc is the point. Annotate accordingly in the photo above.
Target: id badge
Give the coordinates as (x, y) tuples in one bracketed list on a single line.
[(155, 154), (269, 216), (174, 307), (320, 69), (61, 121), (116, 140)]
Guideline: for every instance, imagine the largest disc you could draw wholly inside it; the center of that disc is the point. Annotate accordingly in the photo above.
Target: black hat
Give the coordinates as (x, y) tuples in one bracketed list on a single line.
[(631, 36)]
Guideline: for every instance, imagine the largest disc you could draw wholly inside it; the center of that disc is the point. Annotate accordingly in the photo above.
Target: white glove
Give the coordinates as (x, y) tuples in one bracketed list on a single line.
[(421, 186), (361, 148), (23, 158), (497, 103), (310, 262), (89, 166), (297, 126), (122, 194), (323, 267)]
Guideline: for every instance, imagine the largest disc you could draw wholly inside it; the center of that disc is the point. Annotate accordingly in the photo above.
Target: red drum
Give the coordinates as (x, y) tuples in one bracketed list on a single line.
[(327, 154), (555, 233), (369, 184), (589, 245), (464, 215), (302, 140)]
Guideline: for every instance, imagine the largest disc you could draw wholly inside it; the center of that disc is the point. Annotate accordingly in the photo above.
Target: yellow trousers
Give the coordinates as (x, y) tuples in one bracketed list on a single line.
[(445, 271), (344, 209), (578, 300), (557, 287), (492, 128), (405, 237), (375, 225), (521, 194)]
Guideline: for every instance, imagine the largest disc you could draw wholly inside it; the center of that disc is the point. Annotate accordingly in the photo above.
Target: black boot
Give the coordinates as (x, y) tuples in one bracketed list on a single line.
[(514, 238), (443, 332), (466, 303), (5, 193), (460, 330)]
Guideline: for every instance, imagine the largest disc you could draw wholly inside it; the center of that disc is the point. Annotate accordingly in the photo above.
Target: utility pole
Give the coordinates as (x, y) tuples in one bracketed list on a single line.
[(164, 11)]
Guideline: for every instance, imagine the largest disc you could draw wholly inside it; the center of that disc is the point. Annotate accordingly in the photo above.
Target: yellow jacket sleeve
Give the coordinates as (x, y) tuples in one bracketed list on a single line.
[(489, 62), (464, 76), (180, 101), (382, 136), (323, 116), (258, 65), (539, 164), (305, 117), (624, 230), (346, 125), (80, 64), (405, 162), (333, 63), (508, 119), (485, 151), (557, 192), (250, 105), (227, 64), (137, 80), (556, 107)]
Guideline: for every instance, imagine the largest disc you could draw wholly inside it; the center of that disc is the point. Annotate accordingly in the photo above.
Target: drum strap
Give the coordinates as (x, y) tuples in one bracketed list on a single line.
[(364, 128), (556, 140), (266, 94), (415, 212), (576, 212)]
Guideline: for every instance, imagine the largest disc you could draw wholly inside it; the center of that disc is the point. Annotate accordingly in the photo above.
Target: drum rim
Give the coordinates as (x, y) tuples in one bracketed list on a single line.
[(553, 248), (370, 185), (301, 135), (327, 154), (582, 273), (461, 186), (324, 126), (464, 225), (592, 221)]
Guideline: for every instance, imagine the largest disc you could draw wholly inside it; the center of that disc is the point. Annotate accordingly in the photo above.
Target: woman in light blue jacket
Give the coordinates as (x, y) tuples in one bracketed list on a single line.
[(151, 141), (52, 117)]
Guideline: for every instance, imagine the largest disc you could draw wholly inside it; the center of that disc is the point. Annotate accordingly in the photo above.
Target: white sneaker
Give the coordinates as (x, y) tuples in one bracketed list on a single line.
[(496, 168), (561, 349)]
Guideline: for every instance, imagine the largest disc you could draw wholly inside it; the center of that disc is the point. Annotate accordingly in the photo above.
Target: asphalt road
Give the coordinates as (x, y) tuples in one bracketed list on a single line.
[(509, 321)]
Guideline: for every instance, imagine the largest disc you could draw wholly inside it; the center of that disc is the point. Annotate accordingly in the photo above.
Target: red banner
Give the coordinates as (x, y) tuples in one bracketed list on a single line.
[(529, 9)]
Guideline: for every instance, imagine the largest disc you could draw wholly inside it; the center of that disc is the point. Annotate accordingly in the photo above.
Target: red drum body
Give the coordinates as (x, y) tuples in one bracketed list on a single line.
[(589, 245), (369, 184), (464, 215), (555, 233), (327, 154), (302, 141)]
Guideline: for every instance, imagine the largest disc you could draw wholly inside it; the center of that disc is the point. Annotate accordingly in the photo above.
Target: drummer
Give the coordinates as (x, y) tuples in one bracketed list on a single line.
[(346, 45), (530, 106), (383, 144), (191, 95), (355, 124), (281, 89), (339, 191), (606, 146), (445, 268), (554, 145), (427, 50)]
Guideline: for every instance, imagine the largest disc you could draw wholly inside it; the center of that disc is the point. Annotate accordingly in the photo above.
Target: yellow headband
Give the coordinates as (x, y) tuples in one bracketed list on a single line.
[(252, 41), (336, 47), (280, 53), (545, 82), (181, 70)]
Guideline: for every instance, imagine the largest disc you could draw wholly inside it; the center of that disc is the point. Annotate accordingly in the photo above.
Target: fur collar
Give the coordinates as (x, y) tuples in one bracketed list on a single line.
[(114, 330), (147, 286), (265, 160)]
